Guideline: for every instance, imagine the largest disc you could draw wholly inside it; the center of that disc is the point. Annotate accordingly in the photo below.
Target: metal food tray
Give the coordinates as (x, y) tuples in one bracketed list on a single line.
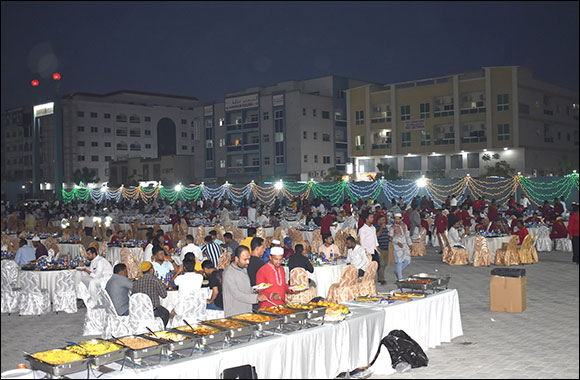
[(272, 324), (318, 312), (405, 284), (237, 332), (134, 354), (442, 280), (219, 336), (58, 370), (109, 357), (297, 316), (190, 342)]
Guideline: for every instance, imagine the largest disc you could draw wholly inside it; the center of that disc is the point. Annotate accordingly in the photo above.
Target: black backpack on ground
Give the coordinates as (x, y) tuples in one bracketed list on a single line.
[(403, 348)]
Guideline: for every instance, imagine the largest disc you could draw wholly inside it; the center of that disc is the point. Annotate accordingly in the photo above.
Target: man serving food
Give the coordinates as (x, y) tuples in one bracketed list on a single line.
[(274, 274)]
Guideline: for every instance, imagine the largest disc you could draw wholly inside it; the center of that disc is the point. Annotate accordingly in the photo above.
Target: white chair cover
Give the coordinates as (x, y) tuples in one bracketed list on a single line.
[(141, 314), (10, 297), (115, 324), (12, 271), (544, 243), (563, 244), (95, 318), (191, 307), (213, 314), (33, 300), (64, 297)]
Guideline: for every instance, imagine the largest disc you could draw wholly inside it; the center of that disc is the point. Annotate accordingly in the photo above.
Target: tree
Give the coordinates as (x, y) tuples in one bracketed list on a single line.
[(85, 175), (500, 168), (388, 172), (333, 175)]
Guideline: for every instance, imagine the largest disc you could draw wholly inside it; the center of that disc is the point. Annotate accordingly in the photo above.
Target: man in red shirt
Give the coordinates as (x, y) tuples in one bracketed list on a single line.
[(559, 230), (465, 217), (492, 213), (573, 225), (378, 212), (440, 225), (522, 232), (326, 222), (479, 204), (546, 211), (273, 273), (407, 219), (558, 208)]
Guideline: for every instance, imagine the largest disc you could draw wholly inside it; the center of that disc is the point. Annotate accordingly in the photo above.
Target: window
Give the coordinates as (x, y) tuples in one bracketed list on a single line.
[(107, 130), (278, 114), (94, 130), (107, 145), (315, 135), (503, 102), (265, 115), (134, 119), (425, 138), (121, 132), (412, 163), (94, 115), (184, 147), (80, 129), (80, 143), (135, 133), (325, 137), (406, 112), (108, 158), (405, 139), (326, 159), (266, 160), (147, 132), (280, 152), (121, 118), (303, 111), (80, 158), (80, 114), (436, 163), (305, 158), (107, 116), (94, 143), (94, 158), (183, 134), (448, 110), (315, 158), (325, 115), (548, 112), (424, 108), (524, 109), (359, 117), (147, 146), (473, 160), (222, 164), (305, 135), (503, 132), (360, 142), (456, 161), (192, 149), (222, 142), (314, 112), (135, 147), (121, 146), (147, 118), (266, 138)]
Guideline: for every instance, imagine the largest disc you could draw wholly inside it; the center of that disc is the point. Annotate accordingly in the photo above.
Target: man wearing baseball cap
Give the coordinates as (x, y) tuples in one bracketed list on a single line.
[(154, 288)]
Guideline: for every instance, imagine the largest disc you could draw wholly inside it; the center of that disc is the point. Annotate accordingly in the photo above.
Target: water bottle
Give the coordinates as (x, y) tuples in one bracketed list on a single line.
[(331, 255)]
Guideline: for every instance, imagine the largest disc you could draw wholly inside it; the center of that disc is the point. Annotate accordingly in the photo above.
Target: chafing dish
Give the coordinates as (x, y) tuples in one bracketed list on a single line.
[(272, 322), (182, 342), (105, 358), (242, 328), (294, 315), (442, 280), (217, 334), (314, 311), (58, 370), (136, 354)]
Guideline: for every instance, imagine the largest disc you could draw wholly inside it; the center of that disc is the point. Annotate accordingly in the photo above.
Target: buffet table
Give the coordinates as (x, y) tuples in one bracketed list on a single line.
[(324, 276)]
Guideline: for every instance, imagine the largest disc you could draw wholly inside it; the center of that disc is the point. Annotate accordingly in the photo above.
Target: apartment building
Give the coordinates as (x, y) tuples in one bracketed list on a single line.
[(445, 125)]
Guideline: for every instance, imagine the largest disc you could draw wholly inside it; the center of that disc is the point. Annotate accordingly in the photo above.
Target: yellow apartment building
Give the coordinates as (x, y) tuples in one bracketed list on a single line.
[(444, 125)]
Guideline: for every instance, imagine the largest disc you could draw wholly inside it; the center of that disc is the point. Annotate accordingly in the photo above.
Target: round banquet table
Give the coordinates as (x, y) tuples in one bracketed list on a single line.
[(172, 298), (493, 243), (324, 276), (164, 227), (47, 279), (114, 254)]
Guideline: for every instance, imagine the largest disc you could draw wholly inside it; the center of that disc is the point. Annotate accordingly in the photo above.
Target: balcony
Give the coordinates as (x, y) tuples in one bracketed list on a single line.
[(359, 147), (473, 139), (235, 148), (382, 146), (376, 120), (252, 169), (341, 145), (234, 127), (251, 125), (252, 146)]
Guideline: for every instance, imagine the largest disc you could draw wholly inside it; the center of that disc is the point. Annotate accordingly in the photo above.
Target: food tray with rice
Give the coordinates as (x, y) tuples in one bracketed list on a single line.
[(234, 327), (99, 351), (139, 347), (174, 341), (58, 362), (205, 334), (262, 321)]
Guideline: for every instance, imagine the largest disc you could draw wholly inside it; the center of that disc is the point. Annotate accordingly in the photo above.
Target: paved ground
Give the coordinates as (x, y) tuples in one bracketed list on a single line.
[(541, 342)]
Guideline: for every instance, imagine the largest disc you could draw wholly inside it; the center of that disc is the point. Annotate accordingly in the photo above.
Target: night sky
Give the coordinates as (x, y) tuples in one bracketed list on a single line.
[(208, 49)]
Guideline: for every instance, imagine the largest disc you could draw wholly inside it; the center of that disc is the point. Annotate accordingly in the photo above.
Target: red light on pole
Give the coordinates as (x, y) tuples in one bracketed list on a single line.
[(34, 83), (56, 76)]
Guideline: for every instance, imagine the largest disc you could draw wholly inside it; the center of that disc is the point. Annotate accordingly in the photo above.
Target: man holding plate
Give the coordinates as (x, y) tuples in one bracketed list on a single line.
[(274, 274)]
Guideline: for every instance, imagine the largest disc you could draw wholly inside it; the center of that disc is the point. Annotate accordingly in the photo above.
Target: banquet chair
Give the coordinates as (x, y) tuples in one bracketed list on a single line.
[(114, 324), (509, 255), (129, 258), (367, 285), (299, 277), (116, 228), (220, 231), (268, 242), (533, 250), (104, 249), (50, 243), (347, 288), (200, 236), (418, 247), (95, 317), (563, 244), (544, 243), (141, 314), (33, 300), (82, 251), (435, 240), (64, 297), (238, 235), (261, 232), (454, 255), (10, 297), (278, 234), (224, 261), (190, 307), (525, 251), (156, 227), (12, 271), (317, 240), (481, 255)]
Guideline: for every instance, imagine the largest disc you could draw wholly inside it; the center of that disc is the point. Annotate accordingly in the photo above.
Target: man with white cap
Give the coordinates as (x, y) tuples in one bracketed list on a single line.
[(98, 273), (401, 244), (266, 256), (273, 273), (40, 248)]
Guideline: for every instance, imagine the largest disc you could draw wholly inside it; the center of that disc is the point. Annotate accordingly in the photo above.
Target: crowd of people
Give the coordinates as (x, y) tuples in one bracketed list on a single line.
[(252, 262)]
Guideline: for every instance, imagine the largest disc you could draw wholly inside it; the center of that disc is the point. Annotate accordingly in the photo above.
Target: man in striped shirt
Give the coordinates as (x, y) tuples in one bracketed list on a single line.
[(211, 250)]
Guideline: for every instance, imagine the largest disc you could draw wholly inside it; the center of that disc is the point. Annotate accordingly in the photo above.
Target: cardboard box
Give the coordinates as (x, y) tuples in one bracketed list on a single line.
[(507, 294)]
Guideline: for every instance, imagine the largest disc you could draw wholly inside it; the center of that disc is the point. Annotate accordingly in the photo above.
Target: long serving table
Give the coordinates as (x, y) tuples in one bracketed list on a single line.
[(320, 352)]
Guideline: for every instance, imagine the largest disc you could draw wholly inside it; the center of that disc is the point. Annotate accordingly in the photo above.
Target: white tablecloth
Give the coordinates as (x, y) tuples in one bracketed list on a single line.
[(114, 254), (324, 276), (164, 227), (47, 279), (492, 243)]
